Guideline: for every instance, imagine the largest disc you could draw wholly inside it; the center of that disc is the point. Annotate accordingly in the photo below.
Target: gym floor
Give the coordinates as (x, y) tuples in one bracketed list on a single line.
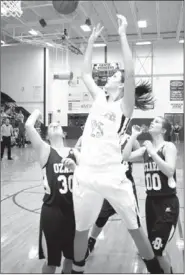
[(21, 200)]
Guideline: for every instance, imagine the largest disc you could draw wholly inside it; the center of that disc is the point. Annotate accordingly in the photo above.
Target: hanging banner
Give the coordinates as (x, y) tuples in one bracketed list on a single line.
[(101, 71), (176, 90)]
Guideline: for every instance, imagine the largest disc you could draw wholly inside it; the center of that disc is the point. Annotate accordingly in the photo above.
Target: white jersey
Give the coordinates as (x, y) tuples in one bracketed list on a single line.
[(101, 146)]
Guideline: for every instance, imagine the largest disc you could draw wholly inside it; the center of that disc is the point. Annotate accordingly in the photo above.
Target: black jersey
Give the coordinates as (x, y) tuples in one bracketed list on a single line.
[(58, 181), (157, 183), (124, 141)]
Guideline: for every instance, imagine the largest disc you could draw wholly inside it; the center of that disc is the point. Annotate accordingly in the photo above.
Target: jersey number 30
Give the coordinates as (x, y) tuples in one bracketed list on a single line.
[(153, 182), (66, 184)]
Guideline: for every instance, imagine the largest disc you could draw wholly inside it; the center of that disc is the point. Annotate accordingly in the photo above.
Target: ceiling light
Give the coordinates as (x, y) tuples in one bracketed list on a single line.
[(144, 43), (85, 28), (33, 32), (97, 45), (142, 24), (49, 44), (181, 41)]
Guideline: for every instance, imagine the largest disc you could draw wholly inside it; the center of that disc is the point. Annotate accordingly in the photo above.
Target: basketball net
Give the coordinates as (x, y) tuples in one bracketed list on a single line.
[(11, 8)]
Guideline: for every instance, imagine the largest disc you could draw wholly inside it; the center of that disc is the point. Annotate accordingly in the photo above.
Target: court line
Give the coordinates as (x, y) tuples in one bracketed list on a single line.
[(10, 196), (22, 207), (32, 192), (20, 180)]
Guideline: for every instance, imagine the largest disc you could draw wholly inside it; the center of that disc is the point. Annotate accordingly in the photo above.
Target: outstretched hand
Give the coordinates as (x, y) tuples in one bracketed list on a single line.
[(69, 163), (149, 147), (96, 32), (136, 130), (122, 24)]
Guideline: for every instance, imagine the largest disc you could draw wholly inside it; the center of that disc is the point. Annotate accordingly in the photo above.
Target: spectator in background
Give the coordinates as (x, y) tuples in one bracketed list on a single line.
[(6, 133), (176, 130), (3, 114), (20, 116), (21, 134), (16, 134)]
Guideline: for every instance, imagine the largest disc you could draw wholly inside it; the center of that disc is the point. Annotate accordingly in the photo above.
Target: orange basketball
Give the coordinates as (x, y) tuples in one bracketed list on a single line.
[(65, 7)]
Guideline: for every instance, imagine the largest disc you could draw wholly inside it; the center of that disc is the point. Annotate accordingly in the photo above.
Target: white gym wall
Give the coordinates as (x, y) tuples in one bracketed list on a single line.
[(22, 73)]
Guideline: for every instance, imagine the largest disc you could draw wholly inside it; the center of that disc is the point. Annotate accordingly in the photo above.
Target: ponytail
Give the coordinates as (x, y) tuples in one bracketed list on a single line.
[(144, 97)]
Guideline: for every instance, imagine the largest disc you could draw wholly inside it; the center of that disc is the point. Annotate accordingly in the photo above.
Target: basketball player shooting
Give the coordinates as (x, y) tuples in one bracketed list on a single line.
[(100, 173), (57, 223)]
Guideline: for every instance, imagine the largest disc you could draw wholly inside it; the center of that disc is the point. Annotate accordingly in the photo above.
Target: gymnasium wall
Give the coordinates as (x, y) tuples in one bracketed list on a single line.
[(57, 90), (22, 75), (22, 72), (164, 61)]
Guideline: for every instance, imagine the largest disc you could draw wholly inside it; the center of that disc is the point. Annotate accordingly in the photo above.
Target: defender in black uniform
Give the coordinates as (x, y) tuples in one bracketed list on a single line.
[(57, 223), (162, 204), (107, 210)]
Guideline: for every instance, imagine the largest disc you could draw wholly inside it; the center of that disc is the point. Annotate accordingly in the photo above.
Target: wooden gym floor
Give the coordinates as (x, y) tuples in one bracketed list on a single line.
[(21, 199)]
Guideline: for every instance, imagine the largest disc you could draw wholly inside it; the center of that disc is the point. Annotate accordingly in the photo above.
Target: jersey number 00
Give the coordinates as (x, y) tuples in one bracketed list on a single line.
[(153, 182)]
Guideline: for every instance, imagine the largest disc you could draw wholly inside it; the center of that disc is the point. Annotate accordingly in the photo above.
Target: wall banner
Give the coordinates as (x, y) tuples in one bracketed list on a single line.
[(101, 71), (176, 90)]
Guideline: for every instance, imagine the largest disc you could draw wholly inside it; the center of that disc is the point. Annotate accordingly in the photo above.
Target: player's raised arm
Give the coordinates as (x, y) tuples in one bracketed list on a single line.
[(128, 102), (78, 144), (127, 153), (87, 65), (41, 148)]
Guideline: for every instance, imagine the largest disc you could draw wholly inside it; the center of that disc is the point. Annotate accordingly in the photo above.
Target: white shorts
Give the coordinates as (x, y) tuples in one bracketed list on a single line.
[(89, 191)]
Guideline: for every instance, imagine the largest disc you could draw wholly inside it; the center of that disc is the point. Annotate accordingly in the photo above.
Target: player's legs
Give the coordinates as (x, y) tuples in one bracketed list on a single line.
[(106, 212), (46, 269), (68, 246), (165, 212), (87, 205), (67, 266), (176, 138), (3, 145), (122, 199), (52, 237)]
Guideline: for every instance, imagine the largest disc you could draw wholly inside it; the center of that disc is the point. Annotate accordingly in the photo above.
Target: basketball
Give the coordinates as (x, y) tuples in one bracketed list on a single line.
[(65, 7)]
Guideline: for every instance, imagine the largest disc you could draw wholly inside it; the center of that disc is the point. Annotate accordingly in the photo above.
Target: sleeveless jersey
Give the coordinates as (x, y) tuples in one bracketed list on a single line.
[(101, 136), (157, 183), (58, 182)]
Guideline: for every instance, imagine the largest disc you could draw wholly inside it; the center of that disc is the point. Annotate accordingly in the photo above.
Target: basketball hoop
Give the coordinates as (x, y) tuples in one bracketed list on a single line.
[(11, 8)]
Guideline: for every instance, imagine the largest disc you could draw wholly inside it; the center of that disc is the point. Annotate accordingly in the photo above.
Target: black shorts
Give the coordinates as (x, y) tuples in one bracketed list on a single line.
[(161, 219), (106, 212), (56, 235)]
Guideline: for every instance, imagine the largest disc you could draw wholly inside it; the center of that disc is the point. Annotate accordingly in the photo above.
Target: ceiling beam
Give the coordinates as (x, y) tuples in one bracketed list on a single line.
[(179, 26), (133, 10), (35, 24), (158, 19), (110, 14), (87, 16)]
